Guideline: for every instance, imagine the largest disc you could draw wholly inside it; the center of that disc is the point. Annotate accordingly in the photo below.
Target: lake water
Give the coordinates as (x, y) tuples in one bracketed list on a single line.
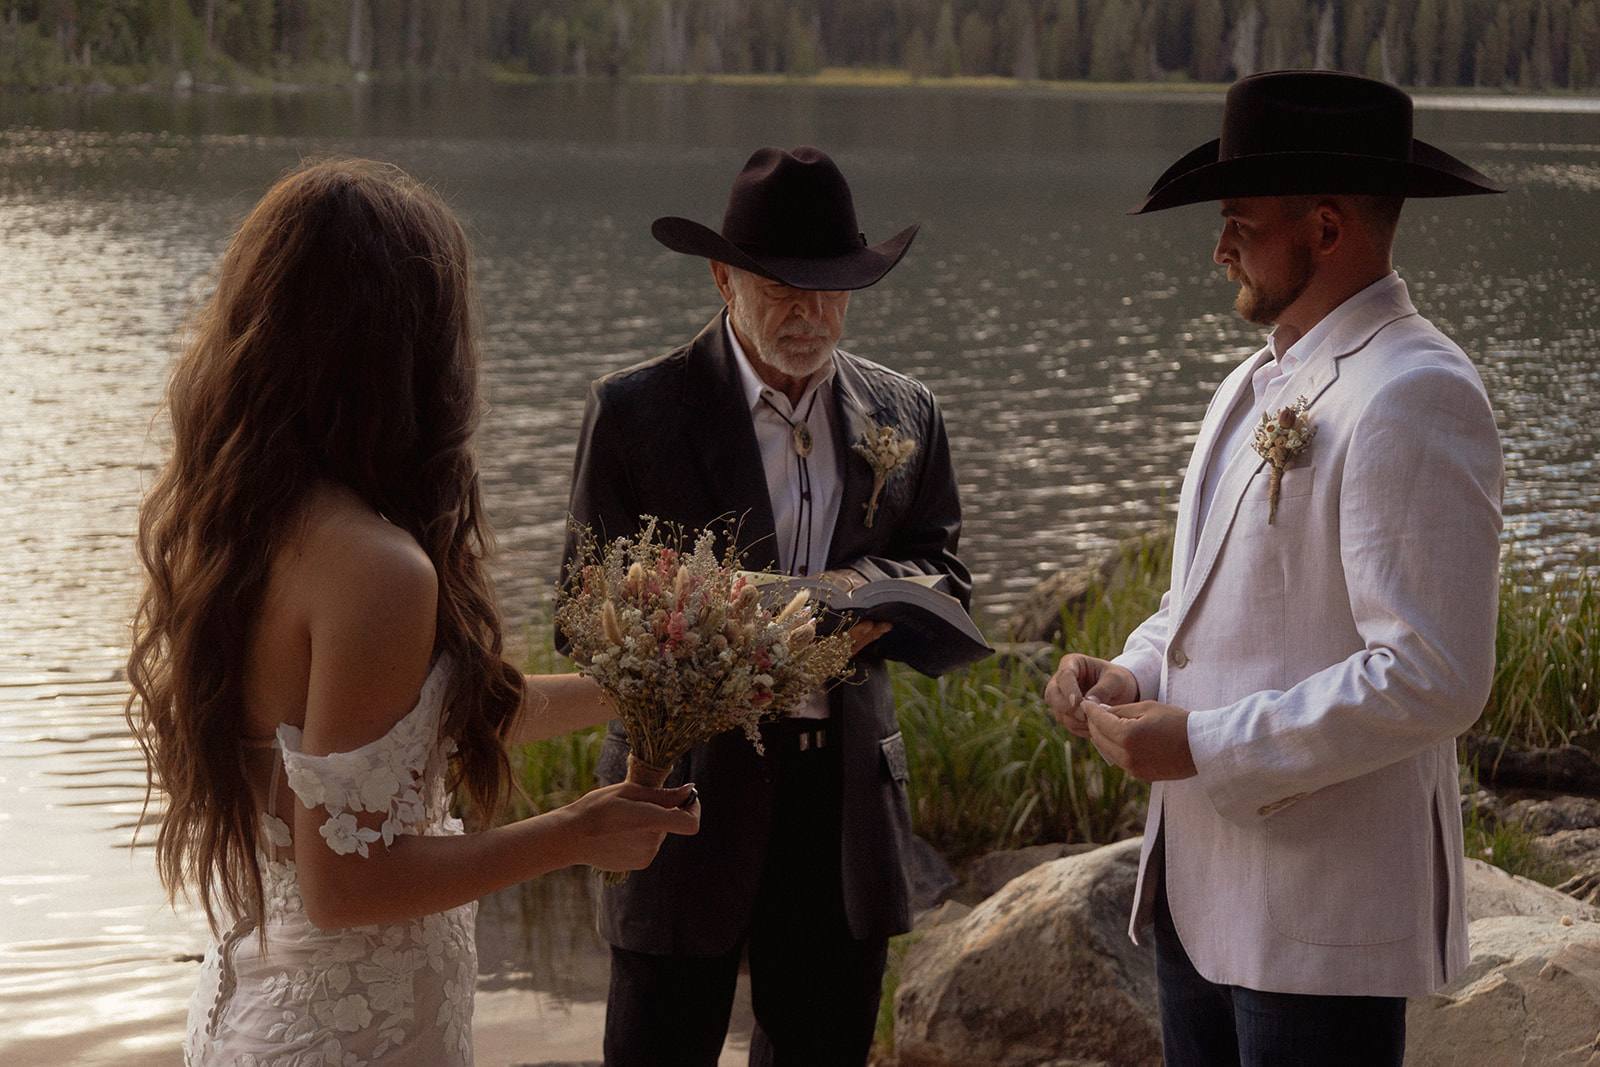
[(1073, 349)]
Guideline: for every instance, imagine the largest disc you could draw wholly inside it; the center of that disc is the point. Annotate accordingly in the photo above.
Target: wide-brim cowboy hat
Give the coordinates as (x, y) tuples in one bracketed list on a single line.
[(791, 218), (1313, 132)]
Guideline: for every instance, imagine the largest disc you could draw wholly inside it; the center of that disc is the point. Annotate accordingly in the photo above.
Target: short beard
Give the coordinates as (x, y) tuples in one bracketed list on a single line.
[(801, 365), (1263, 305)]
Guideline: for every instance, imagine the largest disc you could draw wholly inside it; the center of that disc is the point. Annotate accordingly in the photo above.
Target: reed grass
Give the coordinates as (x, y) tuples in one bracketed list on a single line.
[(1546, 687), (558, 770), (990, 769)]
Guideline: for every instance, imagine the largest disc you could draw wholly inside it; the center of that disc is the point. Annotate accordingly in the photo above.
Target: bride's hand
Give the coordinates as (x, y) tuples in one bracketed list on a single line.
[(622, 826)]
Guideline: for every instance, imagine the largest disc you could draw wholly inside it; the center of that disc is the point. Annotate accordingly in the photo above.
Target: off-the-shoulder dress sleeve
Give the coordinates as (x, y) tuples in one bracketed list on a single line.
[(388, 776)]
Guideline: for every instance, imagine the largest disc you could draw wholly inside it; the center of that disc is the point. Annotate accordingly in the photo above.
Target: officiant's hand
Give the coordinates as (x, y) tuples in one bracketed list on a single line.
[(863, 634), (1079, 678), (1148, 740)]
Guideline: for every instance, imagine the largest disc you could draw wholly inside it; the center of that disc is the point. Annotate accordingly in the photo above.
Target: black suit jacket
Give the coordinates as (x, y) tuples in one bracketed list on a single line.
[(673, 438)]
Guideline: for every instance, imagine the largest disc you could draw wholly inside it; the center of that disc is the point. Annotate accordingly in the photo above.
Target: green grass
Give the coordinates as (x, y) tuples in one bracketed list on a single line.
[(1510, 847), (558, 770), (990, 769), (1547, 659)]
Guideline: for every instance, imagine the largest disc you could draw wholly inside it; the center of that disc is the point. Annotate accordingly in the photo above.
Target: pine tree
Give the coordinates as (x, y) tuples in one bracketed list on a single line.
[(1425, 43), (946, 53)]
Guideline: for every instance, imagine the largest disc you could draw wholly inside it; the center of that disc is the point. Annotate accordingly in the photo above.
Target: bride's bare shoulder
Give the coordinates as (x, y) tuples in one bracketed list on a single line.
[(344, 559)]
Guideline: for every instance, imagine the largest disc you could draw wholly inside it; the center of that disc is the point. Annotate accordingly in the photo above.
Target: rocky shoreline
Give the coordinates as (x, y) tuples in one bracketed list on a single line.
[(1025, 962)]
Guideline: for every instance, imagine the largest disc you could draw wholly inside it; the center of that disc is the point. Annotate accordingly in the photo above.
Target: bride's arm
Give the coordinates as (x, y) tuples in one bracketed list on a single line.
[(556, 704), (368, 597)]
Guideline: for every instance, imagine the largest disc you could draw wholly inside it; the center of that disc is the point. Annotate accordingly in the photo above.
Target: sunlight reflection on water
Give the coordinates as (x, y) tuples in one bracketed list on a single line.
[(1073, 350)]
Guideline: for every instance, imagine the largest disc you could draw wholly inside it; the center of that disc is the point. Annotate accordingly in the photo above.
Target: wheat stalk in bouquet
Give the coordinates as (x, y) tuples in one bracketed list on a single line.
[(685, 645)]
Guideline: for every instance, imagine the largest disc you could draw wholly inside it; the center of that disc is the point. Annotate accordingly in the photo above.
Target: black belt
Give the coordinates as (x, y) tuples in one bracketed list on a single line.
[(799, 735)]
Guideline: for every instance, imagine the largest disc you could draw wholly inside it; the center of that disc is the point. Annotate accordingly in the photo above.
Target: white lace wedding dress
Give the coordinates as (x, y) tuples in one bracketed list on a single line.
[(393, 994)]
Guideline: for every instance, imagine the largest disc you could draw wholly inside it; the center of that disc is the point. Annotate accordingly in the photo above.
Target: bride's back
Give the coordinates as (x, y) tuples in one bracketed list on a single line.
[(321, 477)]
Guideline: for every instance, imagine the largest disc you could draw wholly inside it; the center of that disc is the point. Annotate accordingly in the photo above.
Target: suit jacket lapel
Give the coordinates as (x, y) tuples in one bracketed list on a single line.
[(1187, 535), (854, 414), (722, 440), (1310, 380)]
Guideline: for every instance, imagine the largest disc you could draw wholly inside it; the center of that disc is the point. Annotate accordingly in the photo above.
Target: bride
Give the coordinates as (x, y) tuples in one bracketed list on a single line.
[(316, 666)]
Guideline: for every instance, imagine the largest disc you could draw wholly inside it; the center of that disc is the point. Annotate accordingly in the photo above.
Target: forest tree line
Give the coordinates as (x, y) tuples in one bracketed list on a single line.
[(1534, 44)]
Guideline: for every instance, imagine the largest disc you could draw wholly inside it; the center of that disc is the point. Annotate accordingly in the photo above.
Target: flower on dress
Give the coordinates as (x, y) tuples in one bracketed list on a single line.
[(276, 831), (885, 452), (1280, 440), (306, 783), (347, 1014), (388, 979), (344, 835), (379, 786)]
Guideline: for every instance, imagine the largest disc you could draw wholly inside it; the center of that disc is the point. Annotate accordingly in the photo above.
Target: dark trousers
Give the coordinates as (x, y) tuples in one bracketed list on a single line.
[(814, 988), (1208, 1025)]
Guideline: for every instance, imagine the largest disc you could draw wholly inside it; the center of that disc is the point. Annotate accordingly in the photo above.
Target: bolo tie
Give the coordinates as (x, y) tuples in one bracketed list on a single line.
[(800, 437)]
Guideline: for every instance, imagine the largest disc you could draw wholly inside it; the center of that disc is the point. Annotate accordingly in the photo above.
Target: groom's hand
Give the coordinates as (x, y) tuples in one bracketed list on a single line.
[(1148, 740), (1080, 678)]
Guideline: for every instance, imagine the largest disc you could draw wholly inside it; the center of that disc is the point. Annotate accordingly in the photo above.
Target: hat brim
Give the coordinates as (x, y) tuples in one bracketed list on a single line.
[(854, 269), (1200, 176)]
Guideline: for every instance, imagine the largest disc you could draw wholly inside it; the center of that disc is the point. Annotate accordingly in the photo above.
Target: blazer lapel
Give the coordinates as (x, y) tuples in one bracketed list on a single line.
[(1313, 378), (1187, 534), (854, 415), (722, 443)]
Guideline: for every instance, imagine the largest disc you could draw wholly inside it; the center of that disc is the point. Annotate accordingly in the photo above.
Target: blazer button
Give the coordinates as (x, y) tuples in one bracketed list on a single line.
[(1178, 658)]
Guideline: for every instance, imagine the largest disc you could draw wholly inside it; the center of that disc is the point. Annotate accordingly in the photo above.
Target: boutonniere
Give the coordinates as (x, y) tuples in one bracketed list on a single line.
[(885, 452), (1280, 440)]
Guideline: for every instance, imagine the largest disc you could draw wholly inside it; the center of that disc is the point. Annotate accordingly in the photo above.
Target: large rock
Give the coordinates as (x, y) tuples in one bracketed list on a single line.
[(1492, 892), (1038, 617), (1506, 765), (1040, 973), (989, 873), (1531, 995)]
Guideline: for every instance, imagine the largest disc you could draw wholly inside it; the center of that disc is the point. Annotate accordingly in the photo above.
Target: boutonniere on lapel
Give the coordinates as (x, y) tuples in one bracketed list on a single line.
[(1280, 440), (885, 452)]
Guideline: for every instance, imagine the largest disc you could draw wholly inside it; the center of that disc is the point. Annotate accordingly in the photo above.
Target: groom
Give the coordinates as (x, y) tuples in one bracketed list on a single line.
[(1330, 626), (799, 857)]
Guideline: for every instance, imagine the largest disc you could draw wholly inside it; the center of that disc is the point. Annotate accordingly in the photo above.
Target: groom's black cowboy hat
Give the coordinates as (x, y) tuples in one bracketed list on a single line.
[(1305, 132), (790, 218)]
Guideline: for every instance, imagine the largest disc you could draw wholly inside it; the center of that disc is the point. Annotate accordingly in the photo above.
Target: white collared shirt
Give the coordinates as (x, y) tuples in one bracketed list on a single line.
[(804, 527)]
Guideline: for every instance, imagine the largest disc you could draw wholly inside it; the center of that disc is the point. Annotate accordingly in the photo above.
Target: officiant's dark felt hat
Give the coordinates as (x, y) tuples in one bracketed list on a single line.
[(791, 218), (1313, 132)]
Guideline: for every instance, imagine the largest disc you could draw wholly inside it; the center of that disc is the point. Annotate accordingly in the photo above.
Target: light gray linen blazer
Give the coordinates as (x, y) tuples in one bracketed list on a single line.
[(1329, 662)]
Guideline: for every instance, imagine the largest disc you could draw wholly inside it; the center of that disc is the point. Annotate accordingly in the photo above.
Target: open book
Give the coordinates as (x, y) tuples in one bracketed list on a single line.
[(932, 632)]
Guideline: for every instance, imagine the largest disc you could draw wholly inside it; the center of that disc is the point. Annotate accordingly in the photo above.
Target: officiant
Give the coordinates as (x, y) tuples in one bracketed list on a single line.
[(799, 859)]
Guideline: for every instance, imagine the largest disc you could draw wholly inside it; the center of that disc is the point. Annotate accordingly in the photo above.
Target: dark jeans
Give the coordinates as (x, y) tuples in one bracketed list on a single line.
[(1209, 1025), (814, 988)]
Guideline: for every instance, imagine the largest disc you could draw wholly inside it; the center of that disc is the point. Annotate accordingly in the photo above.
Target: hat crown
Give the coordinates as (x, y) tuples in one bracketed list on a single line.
[(792, 204), (1315, 111)]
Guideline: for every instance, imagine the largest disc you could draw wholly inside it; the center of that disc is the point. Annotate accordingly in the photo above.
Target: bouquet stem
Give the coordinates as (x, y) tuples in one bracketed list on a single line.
[(639, 773), (646, 774)]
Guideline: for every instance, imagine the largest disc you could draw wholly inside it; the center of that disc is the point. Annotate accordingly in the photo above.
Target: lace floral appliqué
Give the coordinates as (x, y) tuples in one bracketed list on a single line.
[(373, 996)]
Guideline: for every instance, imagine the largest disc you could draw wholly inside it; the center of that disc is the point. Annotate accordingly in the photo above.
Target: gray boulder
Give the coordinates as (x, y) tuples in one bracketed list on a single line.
[(1531, 995), (1041, 973), (989, 873), (1492, 892)]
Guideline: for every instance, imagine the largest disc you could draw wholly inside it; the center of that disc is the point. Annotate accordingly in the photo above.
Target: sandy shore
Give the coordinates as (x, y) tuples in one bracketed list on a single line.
[(511, 1028)]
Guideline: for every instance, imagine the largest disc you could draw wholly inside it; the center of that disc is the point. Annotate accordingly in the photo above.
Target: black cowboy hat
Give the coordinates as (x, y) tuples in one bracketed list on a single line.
[(790, 218), (1312, 132)]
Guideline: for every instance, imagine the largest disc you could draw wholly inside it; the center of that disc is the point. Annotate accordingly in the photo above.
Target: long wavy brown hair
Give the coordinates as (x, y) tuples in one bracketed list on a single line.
[(339, 347)]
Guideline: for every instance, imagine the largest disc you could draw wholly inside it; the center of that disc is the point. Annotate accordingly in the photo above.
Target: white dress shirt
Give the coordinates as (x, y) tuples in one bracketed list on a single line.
[(805, 491)]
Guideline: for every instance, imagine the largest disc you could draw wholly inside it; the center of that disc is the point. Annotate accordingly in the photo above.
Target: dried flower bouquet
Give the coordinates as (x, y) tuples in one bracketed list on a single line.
[(685, 645)]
